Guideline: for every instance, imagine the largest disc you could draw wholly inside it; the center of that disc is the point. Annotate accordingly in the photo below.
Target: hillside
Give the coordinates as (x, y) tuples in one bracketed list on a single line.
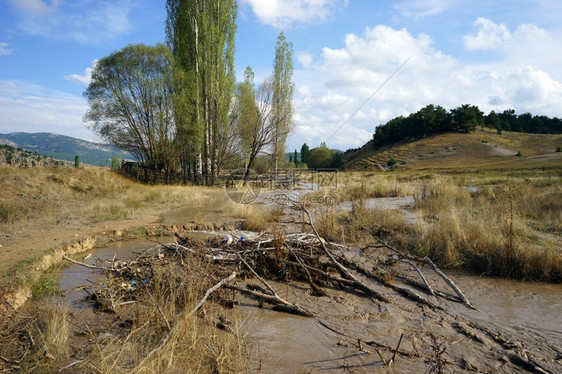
[(10, 155), (63, 147), (482, 149)]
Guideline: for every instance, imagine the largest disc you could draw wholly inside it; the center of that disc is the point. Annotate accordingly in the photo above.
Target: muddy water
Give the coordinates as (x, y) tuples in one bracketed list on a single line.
[(283, 343), (532, 310), (75, 278)]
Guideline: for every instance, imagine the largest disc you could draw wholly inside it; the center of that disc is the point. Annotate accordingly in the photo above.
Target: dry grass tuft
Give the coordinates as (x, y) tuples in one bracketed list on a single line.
[(493, 230), (39, 340), (196, 346), (494, 225)]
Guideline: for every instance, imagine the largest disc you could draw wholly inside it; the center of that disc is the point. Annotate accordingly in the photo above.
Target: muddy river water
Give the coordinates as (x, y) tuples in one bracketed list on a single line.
[(282, 343)]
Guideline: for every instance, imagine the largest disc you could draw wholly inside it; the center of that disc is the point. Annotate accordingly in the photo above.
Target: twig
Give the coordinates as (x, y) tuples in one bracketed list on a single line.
[(382, 358), (397, 346), (70, 365)]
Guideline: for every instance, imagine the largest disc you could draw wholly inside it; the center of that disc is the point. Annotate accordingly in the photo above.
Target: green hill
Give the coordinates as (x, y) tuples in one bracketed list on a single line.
[(63, 147)]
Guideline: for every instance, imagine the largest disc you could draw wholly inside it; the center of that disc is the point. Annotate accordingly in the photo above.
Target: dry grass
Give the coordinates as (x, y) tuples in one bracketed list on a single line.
[(494, 225), (509, 229), (39, 340), (196, 346), (53, 196), (258, 218)]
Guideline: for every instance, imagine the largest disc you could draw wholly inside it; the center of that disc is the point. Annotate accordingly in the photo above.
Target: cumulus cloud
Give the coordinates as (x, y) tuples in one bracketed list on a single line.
[(25, 105), (350, 75), (4, 50), (286, 13), (331, 89), (84, 80), (85, 22), (490, 35)]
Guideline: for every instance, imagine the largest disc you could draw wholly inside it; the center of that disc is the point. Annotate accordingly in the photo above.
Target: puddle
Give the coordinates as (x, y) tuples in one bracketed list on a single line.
[(75, 278)]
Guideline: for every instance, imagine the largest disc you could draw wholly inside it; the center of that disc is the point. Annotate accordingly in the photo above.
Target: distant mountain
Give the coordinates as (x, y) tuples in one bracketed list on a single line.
[(64, 147)]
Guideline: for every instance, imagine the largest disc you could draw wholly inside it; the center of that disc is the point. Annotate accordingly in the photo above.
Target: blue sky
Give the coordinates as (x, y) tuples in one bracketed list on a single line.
[(495, 54)]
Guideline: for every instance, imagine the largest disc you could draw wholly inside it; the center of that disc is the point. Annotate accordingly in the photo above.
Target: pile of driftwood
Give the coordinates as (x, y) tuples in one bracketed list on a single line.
[(282, 257), (249, 264)]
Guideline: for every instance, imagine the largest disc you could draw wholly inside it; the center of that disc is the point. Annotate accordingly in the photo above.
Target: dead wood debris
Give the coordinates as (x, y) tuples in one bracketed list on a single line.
[(277, 256)]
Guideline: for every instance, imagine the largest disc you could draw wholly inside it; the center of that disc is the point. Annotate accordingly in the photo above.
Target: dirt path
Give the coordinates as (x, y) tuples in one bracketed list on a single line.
[(32, 241)]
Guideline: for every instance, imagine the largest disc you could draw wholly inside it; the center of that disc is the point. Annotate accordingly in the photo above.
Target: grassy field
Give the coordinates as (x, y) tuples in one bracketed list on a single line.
[(45, 208)]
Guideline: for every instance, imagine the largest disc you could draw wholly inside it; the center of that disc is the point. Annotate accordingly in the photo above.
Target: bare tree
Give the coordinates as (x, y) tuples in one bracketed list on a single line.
[(255, 122)]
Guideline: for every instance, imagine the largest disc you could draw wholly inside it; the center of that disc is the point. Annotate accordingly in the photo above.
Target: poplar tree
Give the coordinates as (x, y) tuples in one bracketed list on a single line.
[(201, 36), (283, 88)]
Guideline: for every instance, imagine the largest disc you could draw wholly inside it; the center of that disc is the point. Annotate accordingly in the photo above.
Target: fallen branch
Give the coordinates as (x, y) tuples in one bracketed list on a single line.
[(65, 257), (257, 276), (429, 289), (449, 282), (428, 261), (347, 282), (315, 289), (342, 269), (272, 299)]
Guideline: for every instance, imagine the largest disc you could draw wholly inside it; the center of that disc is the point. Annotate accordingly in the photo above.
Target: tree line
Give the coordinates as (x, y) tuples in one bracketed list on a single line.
[(432, 120), (177, 106)]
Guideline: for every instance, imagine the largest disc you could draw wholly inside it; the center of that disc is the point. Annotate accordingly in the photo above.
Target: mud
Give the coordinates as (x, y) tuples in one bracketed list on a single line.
[(516, 327)]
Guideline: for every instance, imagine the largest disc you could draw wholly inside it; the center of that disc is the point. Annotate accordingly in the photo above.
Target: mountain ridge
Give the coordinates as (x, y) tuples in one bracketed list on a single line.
[(63, 147)]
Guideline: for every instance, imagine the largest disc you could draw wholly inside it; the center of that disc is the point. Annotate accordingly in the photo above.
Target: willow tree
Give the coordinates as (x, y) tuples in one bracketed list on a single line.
[(201, 36), (282, 100), (131, 104)]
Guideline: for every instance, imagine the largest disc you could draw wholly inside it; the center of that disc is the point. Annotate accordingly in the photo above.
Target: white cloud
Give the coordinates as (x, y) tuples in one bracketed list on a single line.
[(35, 6), (420, 9), (285, 13), (85, 21), (83, 79), (490, 35), (305, 59), (28, 107), (525, 77), (4, 50)]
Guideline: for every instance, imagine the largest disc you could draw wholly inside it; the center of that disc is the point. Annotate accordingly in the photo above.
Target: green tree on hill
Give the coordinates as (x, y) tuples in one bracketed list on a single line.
[(467, 117)]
